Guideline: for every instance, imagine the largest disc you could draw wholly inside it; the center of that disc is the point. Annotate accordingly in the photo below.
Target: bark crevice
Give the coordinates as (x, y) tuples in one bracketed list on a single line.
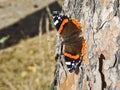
[(101, 58)]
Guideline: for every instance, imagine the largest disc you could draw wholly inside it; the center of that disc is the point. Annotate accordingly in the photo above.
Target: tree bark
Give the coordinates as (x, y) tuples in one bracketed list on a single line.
[(100, 20)]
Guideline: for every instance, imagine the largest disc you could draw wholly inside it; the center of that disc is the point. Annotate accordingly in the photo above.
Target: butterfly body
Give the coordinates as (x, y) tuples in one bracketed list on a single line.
[(70, 31)]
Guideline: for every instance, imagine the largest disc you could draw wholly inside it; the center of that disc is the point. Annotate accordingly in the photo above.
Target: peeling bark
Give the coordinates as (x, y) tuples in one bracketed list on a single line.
[(100, 20)]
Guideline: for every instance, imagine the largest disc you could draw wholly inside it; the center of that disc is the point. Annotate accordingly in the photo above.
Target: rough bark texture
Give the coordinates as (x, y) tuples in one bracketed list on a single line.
[(100, 20)]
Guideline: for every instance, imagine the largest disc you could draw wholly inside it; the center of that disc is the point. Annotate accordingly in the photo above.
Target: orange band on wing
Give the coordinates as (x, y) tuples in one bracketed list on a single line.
[(83, 51), (76, 23), (71, 56), (61, 26)]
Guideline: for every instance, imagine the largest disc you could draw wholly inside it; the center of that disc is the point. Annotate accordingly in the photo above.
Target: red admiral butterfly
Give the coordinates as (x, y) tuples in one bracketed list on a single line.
[(71, 33)]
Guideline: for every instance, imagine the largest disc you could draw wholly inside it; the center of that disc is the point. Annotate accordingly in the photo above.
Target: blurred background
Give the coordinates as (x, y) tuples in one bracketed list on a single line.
[(27, 44)]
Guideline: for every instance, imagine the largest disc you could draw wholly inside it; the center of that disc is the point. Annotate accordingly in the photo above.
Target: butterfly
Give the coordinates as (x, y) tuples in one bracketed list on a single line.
[(74, 43)]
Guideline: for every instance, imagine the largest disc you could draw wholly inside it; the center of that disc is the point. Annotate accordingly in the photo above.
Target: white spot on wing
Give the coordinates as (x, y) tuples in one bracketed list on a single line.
[(59, 17), (68, 63), (56, 22), (73, 64)]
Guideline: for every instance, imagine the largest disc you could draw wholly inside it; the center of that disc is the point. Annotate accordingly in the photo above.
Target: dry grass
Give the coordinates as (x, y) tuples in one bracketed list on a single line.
[(28, 65)]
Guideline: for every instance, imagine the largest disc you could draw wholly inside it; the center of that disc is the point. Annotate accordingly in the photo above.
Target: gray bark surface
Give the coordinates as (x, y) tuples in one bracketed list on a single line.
[(100, 21)]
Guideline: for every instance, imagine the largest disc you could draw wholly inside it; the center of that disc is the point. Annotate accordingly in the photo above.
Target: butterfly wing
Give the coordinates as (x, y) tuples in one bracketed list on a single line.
[(59, 21), (69, 28), (71, 63)]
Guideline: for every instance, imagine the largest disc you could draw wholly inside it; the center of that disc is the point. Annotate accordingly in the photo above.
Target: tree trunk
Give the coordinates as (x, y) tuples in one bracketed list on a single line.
[(100, 20)]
